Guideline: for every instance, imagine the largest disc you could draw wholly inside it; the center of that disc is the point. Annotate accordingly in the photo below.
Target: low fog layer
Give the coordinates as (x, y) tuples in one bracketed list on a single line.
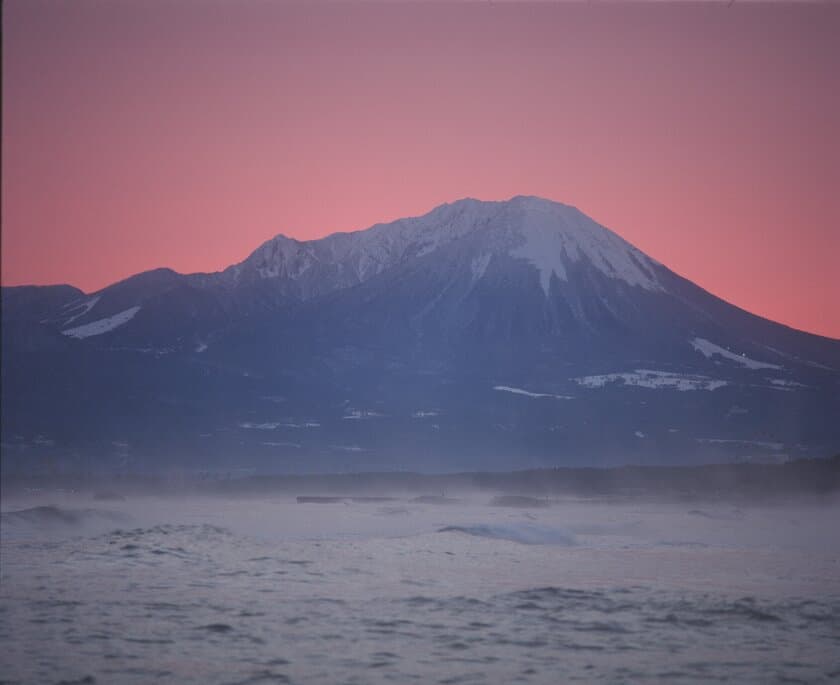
[(742, 481), (312, 586), (780, 547)]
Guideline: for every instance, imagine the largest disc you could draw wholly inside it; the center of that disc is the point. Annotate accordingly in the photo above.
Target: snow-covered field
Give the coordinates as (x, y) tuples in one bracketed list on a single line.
[(253, 590), (102, 325), (645, 378)]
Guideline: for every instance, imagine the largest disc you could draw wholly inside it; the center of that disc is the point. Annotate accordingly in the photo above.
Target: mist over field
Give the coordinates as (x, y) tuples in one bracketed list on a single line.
[(377, 585)]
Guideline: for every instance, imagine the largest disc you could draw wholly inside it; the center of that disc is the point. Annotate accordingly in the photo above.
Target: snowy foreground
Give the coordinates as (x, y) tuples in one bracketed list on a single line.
[(268, 590)]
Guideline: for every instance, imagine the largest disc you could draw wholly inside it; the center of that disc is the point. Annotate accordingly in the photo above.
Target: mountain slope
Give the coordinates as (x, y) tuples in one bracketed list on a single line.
[(480, 335)]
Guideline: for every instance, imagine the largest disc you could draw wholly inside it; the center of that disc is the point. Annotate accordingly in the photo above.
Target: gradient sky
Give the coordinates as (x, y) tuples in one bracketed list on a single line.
[(183, 133)]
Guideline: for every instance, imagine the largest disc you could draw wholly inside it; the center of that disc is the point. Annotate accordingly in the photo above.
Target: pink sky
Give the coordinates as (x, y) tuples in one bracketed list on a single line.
[(139, 134)]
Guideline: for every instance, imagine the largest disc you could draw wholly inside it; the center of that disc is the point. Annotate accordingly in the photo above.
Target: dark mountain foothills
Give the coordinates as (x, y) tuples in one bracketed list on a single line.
[(536, 488), (482, 336)]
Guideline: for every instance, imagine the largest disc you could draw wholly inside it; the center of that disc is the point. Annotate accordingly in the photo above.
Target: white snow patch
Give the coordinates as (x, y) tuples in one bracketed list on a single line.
[(639, 434), (425, 413), (259, 426), (709, 349), (556, 235), (362, 414), (781, 382), (645, 378), (479, 266), (281, 444), (102, 325), (201, 347), (348, 448), (157, 351), (798, 359), (305, 424), (527, 393), (84, 306)]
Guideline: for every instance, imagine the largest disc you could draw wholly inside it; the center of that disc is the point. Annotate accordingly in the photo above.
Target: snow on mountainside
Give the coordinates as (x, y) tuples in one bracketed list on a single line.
[(645, 378), (344, 259), (709, 350), (547, 234), (555, 235), (555, 240), (480, 335), (102, 325)]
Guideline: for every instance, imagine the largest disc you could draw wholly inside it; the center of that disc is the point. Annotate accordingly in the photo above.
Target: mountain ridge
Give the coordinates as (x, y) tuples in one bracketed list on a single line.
[(517, 333), (204, 277)]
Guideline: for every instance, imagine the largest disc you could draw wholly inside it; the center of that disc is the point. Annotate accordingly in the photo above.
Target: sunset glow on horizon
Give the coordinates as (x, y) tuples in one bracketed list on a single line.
[(183, 134)]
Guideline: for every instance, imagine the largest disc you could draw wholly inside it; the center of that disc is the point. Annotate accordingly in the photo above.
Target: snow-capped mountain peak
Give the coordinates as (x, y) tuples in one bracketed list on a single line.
[(553, 235), (550, 235), (520, 332)]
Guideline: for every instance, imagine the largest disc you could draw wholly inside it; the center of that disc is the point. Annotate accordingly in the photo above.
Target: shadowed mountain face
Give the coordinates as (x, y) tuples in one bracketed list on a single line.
[(483, 335)]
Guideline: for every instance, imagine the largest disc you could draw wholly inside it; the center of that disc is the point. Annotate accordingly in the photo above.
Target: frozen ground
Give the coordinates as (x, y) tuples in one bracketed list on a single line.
[(262, 590)]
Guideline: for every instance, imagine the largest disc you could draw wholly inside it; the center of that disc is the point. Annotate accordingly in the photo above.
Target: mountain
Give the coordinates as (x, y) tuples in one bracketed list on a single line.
[(482, 335)]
